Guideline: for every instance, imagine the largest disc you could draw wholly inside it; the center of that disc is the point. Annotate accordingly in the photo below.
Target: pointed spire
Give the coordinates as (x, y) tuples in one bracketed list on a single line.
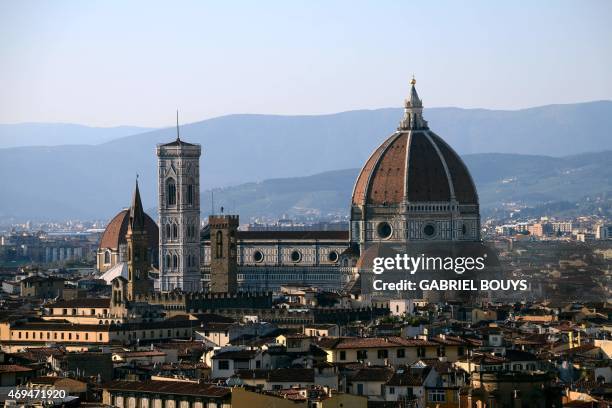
[(178, 136), (137, 215), (415, 101), (413, 111)]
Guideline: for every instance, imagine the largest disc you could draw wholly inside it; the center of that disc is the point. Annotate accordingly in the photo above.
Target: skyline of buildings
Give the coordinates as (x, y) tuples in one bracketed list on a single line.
[(193, 314), (302, 241)]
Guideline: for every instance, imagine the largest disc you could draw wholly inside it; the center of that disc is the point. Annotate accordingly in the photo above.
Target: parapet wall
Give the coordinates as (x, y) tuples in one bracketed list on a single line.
[(193, 302)]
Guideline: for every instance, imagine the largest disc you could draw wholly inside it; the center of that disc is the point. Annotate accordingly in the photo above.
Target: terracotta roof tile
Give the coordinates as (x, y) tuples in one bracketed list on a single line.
[(383, 374), (372, 342), (387, 180), (169, 387), (413, 165), (13, 368)]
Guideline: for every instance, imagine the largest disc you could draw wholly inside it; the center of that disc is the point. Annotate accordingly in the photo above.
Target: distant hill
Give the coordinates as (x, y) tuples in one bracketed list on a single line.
[(95, 181), (56, 134), (536, 180), (554, 184), (320, 195)]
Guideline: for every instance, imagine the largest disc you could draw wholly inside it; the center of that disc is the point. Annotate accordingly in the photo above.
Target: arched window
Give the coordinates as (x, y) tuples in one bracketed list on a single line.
[(219, 245), (174, 231), (167, 261), (171, 191), (174, 261), (190, 192), (168, 231), (107, 257)]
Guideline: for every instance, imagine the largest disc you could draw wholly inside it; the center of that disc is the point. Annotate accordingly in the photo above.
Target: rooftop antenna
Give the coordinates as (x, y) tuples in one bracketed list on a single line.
[(178, 136)]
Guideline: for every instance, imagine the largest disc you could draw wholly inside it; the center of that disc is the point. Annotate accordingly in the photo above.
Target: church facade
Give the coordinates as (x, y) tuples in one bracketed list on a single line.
[(414, 188)]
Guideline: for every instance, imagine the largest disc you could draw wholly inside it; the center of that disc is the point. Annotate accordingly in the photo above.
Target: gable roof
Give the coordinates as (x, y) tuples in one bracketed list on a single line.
[(339, 343), (409, 377), (379, 374)]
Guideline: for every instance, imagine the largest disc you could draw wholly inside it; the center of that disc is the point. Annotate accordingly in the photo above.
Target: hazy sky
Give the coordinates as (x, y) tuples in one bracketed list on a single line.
[(109, 63)]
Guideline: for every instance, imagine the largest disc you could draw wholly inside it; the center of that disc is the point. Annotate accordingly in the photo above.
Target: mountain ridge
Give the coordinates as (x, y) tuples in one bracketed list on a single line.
[(40, 134), (93, 181), (500, 178)]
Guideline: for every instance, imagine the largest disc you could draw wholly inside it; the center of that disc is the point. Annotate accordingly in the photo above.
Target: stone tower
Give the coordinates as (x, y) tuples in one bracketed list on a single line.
[(138, 261), (223, 253), (179, 215)]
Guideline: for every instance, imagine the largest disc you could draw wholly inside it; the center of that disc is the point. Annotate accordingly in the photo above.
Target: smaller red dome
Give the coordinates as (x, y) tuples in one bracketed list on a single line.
[(114, 234)]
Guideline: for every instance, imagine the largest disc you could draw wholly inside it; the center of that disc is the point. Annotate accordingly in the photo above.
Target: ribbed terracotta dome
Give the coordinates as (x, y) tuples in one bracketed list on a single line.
[(416, 165), (114, 234)]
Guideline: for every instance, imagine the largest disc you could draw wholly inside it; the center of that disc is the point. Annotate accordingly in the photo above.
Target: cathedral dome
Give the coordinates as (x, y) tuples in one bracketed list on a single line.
[(414, 164), (114, 234)]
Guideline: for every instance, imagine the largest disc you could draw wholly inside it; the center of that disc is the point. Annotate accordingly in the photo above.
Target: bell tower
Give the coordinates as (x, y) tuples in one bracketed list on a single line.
[(137, 249), (223, 253), (178, 164)]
